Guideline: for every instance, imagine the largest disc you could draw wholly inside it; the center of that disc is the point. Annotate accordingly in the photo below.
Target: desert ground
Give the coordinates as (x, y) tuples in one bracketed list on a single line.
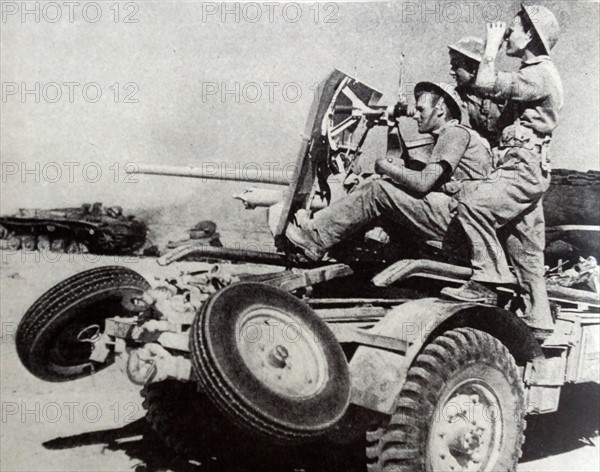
[(97, 423)]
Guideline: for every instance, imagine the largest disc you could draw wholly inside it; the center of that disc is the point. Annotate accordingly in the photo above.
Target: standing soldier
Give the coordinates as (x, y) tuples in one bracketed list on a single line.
[(512, 195), (482, 112)]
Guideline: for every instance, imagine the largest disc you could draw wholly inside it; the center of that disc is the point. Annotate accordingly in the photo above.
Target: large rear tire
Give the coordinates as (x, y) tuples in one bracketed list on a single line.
[(460, 409), (47, 336), (270, 363)]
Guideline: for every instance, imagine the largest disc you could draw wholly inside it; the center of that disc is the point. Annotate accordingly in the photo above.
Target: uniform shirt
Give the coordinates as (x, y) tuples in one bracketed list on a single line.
[(482, 115), (467, 155), (534, 95)]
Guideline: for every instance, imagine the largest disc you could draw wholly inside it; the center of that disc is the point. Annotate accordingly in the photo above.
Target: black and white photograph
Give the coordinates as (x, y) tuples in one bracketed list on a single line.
[(311, 236)]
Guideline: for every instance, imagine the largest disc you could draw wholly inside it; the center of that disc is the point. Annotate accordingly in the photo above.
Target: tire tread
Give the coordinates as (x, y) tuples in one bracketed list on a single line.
[(401, 445)]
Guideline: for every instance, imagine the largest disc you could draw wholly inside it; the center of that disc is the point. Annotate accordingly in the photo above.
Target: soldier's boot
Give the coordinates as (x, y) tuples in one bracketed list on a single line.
[(472, 291), (306, 240)]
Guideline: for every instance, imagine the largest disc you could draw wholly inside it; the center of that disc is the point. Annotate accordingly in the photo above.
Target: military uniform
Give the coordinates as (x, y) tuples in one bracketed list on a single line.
[(465, 153), (482, 114), (511, 196)]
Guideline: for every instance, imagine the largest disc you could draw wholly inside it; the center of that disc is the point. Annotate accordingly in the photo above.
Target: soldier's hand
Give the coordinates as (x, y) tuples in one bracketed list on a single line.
[(393, 112), (390, 115), (495, 33)]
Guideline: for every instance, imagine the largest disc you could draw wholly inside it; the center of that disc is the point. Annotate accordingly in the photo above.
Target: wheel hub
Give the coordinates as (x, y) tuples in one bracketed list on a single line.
[(89, 334), (278, 356), (281, 353), (466, 434)]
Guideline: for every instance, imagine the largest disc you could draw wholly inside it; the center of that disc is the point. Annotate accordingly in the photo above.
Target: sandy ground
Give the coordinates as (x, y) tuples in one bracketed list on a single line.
[(97, 423)]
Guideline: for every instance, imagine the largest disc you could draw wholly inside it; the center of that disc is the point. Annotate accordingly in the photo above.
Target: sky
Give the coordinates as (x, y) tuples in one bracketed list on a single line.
[(88, 88)]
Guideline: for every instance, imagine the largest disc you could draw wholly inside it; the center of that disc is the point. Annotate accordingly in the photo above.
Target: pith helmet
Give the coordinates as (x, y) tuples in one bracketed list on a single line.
[(470, 46), (447, 91), (545, 24)]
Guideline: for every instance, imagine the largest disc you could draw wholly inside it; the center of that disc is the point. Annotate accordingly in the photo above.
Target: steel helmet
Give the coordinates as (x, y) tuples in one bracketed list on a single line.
[(469, 46), (545, 24), (204, 229), (447, 91)]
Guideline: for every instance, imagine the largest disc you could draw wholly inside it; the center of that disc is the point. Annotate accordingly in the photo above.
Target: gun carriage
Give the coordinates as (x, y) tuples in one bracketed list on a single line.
[(358, 346)]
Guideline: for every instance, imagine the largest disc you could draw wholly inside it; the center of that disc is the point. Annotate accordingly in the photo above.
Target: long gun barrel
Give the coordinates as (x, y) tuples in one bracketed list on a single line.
[(211, 171)]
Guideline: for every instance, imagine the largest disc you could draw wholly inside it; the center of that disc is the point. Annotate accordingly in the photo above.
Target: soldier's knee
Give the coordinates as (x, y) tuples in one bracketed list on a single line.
[(472, 208), (380, 195), (379, 188)]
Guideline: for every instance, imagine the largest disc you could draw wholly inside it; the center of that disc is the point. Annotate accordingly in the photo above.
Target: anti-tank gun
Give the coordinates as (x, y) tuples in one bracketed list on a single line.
[(336, 129), (323, 351), (335, 132)]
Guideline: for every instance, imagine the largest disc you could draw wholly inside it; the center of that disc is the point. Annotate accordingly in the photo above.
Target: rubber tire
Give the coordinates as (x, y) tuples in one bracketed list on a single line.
[(401, 445), (55, 309), (184, 418), (228, 382)]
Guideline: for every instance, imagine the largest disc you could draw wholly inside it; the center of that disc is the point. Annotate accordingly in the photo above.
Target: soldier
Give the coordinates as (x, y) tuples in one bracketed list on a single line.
[(423, 201), (482, 113), (512, 196)]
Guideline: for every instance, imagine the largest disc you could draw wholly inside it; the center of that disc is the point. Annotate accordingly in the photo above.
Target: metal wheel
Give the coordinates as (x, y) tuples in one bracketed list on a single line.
[(58, 245), (280, 352), (28, 243), (467, 435), (43, 243), (105, 243), (12, 243), (73, 248)]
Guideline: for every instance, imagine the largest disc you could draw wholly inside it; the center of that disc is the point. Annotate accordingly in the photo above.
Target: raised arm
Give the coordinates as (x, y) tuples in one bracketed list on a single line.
[(486, 75)]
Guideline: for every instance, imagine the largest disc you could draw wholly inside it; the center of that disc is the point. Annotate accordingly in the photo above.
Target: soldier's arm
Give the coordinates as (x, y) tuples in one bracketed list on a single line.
[(525, 85), (486, 75), (445, 156), (415, 181)]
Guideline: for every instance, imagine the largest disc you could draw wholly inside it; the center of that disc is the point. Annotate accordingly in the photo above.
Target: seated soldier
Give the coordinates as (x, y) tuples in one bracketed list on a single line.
[(483, 113), (422, 201)]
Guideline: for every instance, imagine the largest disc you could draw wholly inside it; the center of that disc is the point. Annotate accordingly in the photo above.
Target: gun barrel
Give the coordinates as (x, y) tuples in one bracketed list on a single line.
[(210, 171)]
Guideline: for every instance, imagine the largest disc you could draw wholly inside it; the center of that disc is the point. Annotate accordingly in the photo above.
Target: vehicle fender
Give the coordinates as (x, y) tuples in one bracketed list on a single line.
[(377, 376)]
